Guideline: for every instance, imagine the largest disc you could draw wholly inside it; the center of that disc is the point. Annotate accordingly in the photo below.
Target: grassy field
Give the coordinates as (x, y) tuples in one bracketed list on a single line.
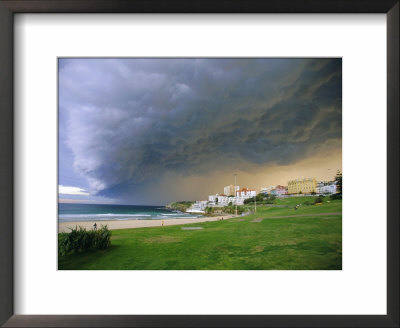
[(255, 242)]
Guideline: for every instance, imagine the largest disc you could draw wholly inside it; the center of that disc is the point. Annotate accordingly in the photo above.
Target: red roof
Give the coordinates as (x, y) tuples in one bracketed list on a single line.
[(280, 187)]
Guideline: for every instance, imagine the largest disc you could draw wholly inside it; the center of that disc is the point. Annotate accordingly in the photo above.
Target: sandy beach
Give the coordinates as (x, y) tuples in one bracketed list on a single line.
[(128, 224)]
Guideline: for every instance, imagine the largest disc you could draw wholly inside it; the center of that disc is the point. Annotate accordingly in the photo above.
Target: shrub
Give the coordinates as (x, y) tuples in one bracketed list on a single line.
[(261, 199), (335, 196), (232, 209), (80, 240), (249, 200), (102, 238), (319, 200)]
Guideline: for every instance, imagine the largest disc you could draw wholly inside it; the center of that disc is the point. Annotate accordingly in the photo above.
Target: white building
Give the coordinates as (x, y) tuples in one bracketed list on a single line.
[(218, 200), (230, 190), (224, 200), (198, 207), (243, 194), (329, 188)]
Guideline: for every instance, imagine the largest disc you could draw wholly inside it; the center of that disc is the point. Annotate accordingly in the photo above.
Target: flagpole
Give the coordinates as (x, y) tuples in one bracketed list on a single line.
[(235, 197)]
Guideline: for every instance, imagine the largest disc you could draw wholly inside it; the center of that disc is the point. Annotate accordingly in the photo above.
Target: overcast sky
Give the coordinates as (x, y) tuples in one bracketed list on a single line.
[(152, 131)]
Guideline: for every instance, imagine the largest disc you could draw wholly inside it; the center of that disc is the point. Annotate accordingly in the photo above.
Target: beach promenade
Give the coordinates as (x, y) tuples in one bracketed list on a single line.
[(128, 224)]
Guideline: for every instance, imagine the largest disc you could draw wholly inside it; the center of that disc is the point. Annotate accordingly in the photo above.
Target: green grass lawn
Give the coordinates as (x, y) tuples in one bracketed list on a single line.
[(300, 243)]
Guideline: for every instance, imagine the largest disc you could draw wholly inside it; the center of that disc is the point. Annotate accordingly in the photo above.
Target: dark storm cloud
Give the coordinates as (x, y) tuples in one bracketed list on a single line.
[(130, 121)]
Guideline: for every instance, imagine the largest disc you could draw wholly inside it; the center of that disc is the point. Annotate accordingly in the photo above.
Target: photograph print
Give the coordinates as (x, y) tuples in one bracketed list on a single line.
[(200, 164)]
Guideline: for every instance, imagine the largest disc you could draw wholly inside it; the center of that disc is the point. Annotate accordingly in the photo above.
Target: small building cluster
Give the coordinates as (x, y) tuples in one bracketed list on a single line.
[(279, 191), (301, 186), (233, 198), (234, 195)]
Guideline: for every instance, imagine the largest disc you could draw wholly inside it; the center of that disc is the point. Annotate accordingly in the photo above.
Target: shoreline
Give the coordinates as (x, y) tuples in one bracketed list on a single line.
[(130, 224)]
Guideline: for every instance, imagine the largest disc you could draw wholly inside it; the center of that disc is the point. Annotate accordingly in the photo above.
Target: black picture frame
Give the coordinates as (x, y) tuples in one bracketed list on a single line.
[(10, 7)]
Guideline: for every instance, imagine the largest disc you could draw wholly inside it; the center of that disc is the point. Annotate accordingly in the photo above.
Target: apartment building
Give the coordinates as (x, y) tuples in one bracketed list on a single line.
[(302, 186)]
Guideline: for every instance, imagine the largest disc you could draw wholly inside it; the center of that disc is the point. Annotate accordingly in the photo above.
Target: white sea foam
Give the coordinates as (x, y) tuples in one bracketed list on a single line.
[(100, 215), (120, 216)]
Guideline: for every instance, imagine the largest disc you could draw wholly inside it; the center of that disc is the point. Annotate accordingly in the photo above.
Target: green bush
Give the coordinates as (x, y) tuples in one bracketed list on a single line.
[(260, 199), (80, 240), (319, 199), (232, 209), (335, 196), (102, 238), (249, 200)]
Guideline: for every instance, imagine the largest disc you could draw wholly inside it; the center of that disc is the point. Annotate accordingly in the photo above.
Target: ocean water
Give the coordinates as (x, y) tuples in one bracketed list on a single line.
[(102, 212)]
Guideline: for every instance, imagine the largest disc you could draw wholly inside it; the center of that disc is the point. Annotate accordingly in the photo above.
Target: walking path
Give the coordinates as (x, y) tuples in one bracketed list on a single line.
[(303, 215)]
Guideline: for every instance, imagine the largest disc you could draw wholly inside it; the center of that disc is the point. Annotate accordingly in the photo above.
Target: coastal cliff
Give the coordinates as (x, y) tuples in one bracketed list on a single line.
[(180, 206)]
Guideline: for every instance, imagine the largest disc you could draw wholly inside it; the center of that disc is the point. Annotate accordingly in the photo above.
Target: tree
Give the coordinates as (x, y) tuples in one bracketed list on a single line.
[(208, 210), (249, 200), (338, 179)]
